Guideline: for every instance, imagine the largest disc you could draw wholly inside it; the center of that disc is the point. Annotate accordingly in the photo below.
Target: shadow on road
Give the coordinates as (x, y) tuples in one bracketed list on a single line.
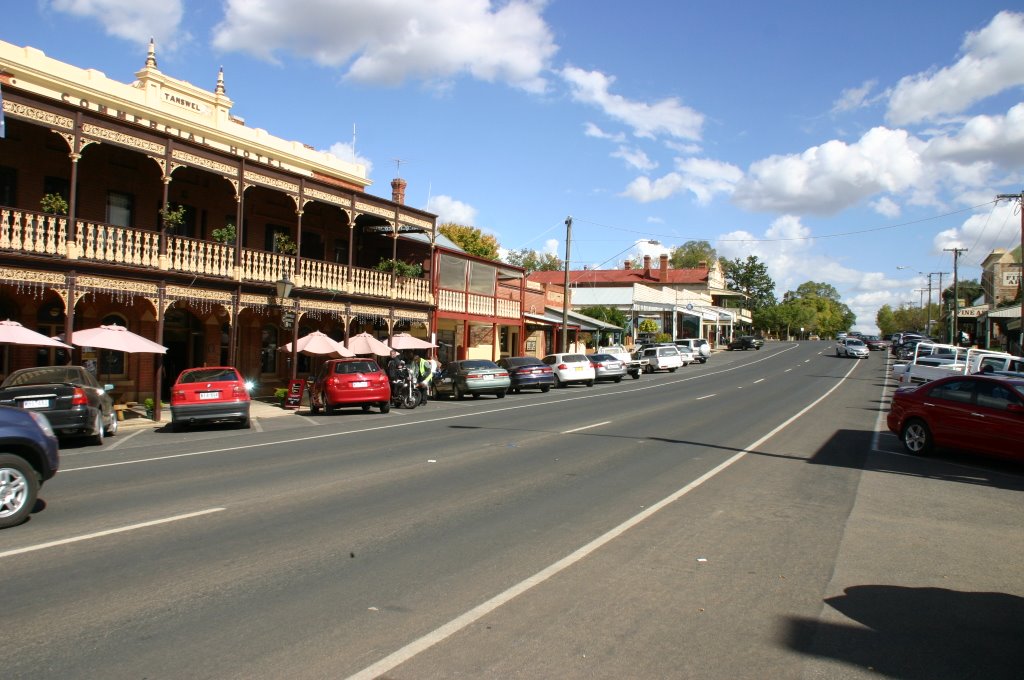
[(919, 633)]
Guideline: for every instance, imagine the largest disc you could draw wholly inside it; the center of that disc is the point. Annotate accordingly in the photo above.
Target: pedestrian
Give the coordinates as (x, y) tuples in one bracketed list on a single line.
[(393, 365), (424, 372)]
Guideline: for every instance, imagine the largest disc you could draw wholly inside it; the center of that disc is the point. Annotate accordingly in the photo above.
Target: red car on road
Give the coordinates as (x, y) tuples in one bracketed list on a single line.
[(976, 413), (350, 382), (209, 394)]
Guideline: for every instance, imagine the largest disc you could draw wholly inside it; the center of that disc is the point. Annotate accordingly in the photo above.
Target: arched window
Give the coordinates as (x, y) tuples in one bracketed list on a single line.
[(268, 349), (50, 322)]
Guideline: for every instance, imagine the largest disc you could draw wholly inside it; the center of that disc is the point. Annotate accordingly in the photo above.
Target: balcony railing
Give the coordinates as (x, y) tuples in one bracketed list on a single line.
[(35, 233), (482, 305)]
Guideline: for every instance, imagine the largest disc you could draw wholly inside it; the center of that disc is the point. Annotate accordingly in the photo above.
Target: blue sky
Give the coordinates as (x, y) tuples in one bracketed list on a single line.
[(837, 142)]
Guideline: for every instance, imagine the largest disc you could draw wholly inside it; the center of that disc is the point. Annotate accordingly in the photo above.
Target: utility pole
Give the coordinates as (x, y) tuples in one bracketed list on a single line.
[(956, 294), (1020, 276), (565, 291)]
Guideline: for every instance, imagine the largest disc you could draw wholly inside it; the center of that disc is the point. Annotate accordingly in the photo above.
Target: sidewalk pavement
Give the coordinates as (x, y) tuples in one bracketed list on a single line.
[(136, 418)]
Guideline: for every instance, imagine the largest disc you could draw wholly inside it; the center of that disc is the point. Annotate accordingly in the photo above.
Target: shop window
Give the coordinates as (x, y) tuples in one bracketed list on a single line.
[(312, 245), (341, 250), (57, 185), (270, 243), (268, 350), (8, 185), (50, 322), (481, 278), (451, 272)]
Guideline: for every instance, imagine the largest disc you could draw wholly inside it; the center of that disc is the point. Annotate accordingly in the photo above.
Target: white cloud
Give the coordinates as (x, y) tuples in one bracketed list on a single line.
[(992, 61), (666, 117), (981, 233), (854, 98), (700, 176), (133, 20), (345, 152), (997, 139), (835, 175), (634, 158), (886, 207), (551, 246), (390, 42), (448, 209), (591, 130)]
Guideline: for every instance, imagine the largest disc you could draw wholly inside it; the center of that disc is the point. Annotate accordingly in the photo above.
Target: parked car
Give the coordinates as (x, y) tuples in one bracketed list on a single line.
[(745, 342), (72, 400), (473, 376), (698, 347), (875, 343), (209, 394), (607, 367), (29, 455), (661, 358), (350, 382), (571, 368), (633, 367), (977, 413), (852, 347), (526, 373)]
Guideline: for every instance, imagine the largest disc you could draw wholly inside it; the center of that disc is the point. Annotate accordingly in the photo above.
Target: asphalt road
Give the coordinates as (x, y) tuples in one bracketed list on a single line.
[(739, 519)]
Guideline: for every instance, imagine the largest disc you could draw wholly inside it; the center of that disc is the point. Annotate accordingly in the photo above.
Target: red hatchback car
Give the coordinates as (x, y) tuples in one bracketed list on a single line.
[(209, 394), (981, 414), (350, 382)]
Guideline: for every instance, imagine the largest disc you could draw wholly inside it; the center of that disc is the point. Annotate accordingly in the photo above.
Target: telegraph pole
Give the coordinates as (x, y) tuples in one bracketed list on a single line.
[(565, 291), (956, 295), (1020, 275)]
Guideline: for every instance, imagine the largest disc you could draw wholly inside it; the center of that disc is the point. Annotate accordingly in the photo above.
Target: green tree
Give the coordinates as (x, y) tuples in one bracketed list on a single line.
[(532, 261), (471, 239), (750, 276), (691, 254), (816, 307), (968, 291), (606, 314)]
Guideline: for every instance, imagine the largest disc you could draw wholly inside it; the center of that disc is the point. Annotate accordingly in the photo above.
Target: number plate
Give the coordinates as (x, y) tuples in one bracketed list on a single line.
[(488, 377), (361, 383), (579, 368), (209, 395), (35, 403)]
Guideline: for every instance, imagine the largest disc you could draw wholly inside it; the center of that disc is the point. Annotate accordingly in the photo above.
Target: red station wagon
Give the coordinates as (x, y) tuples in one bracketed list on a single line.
[(350, 382), (974, 413)]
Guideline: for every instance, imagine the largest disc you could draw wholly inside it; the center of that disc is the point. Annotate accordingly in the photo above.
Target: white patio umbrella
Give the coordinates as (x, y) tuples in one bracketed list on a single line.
[(402, 341), (319, 343), (117, 338), (13, 333), (364, 343)]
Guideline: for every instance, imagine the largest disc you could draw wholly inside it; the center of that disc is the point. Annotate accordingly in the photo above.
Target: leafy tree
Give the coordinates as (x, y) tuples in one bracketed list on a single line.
[(750, 276), (648, 326), (532, 261), (969, 291), (815, 307), (606, 314), (691, 254), (471, 239)]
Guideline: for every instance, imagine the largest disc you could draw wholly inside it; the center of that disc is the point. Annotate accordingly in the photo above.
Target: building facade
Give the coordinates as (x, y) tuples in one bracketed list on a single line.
[(152, 206)]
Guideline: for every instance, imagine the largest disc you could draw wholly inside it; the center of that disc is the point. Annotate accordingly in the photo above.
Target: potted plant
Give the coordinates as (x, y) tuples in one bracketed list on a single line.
[(53, 204), (284, 244), (225, 234), (147, 403), (281, 393), (400, 268), (172, 218)]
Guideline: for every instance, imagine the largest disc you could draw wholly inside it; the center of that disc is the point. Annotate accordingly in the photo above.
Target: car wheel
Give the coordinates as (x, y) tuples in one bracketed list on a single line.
[(314, 407), (18, 488), (366, 408), (97, 426), (476, 395), (545, 388), (916, 437), (636, 375), (385, 406), (500, 395), (672, 370), (244, 424), (328, 406), (590, 383), (558, 382), (458, 393), (618, 380), (648, 369), (112, 428)]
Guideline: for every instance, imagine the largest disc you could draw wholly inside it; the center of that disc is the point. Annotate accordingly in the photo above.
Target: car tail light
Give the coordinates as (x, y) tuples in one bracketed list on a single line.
[(562, 367), (238, 391), (178, 395), (333, 381), (474, 376), (79, 398), (598, 364), (503, 374)]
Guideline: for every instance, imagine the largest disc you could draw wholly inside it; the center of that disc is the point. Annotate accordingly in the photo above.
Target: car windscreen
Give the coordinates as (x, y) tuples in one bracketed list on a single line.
[(205, 375), (346, 367)]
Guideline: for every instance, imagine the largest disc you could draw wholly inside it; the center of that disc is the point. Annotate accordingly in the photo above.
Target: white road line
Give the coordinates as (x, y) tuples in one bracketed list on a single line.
[(457, 624), (255, 424), (586, 427), (787, 370), (108, 532), (759, 380), (121, 440), (617, 394), (706, 396)]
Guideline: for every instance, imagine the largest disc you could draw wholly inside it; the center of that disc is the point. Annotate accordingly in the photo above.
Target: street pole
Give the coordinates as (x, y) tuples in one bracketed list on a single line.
[(956, 296), (565, 291)]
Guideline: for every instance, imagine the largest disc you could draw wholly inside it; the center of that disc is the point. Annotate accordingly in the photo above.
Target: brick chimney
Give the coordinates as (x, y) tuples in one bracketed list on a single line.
[(627, 265), (663, 270), (647, 265), (398, 190)]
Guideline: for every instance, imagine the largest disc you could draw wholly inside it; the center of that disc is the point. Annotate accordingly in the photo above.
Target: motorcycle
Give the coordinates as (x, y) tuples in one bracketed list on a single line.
[(404, 392)]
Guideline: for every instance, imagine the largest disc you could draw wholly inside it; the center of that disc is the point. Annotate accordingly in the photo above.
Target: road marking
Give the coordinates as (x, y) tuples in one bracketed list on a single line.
[(617, 394), (586, 427), (255, 424), (457, 624), (759, 380), (706, 396), (787, 370), (121, 440), (108, 532)]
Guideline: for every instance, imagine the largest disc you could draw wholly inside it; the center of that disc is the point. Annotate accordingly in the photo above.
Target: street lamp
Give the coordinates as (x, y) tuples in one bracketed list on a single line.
[(284, 286), (288, 320)]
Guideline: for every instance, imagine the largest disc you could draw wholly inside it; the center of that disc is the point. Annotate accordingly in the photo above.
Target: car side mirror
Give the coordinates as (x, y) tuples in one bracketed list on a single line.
[(107, 388)]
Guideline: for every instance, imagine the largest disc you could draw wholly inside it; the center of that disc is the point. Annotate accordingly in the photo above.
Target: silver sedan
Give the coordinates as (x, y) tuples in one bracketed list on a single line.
[(608, 367)]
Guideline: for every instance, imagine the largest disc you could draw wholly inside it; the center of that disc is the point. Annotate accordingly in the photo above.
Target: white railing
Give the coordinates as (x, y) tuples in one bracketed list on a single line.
[(32, 232)]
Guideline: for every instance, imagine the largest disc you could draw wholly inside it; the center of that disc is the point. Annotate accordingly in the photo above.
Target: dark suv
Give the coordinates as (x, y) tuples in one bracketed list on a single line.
[(746, 342), (28, 457)]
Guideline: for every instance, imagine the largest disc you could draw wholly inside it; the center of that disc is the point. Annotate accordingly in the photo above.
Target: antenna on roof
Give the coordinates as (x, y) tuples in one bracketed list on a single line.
[(353, 141), (398, 166)]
